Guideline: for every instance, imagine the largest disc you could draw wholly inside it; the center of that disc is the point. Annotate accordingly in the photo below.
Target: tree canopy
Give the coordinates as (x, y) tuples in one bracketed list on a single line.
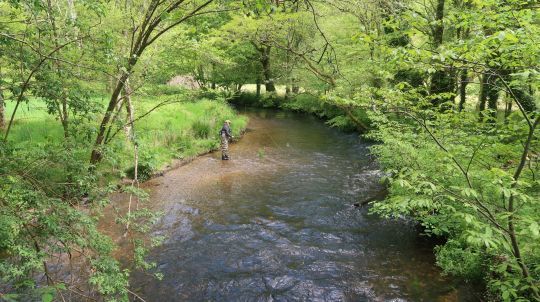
[(448, 89)]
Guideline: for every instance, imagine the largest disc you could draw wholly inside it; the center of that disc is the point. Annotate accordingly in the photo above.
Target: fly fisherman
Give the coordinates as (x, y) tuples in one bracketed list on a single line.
[(226, 135)]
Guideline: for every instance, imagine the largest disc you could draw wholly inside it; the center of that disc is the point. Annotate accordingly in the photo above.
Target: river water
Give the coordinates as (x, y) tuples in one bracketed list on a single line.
[(277, 223)]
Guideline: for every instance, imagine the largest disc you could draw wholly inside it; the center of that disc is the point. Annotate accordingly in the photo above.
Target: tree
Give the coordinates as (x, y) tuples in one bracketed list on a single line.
[(158, 17), (462, 185)]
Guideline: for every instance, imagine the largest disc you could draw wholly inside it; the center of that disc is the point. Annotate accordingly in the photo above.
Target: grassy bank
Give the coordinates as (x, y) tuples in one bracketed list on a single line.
[(183, 128)]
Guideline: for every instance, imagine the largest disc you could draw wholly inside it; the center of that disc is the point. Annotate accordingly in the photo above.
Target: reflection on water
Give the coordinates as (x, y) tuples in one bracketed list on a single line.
[(276, 223)]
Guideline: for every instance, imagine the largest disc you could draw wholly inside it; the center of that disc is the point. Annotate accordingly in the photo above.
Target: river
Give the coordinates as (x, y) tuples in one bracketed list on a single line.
[(277, 223)]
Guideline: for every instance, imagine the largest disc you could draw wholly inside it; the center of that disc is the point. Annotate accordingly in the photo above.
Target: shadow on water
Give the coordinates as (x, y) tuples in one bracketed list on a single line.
[(277, 223)]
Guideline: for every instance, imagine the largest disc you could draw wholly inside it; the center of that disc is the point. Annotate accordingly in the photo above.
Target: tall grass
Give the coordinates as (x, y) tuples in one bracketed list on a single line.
[(201, 129), (181, 129)]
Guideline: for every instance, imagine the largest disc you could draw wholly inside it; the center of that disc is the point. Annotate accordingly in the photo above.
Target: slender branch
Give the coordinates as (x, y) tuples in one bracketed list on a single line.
[(511, 224), (474, 154), (518, 103), (135, 295), (481, 211), (460, 167), (191, 14), (143, 115), (27, 82)]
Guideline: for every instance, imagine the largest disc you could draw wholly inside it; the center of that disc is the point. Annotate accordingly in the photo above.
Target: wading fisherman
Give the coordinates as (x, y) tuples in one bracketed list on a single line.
[(226, 135)]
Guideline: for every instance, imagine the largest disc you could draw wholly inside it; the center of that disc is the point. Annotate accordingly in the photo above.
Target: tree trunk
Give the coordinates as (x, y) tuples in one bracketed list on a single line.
[(493, 98), (62, 106), (201, 77), (512, 233), (64, 117), (2, 111), (116, 115), (438, 28), (482, 97), (489, 95), (463, 89), (265, 61), (258, 87), (213, 80), (71, 9), (97, 155), (442, 81), (295, 87), (508, 108), (2, 107), (129, 110), (238, 88)]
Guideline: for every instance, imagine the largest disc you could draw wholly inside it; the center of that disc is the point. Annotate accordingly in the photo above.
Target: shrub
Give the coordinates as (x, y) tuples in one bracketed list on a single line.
[(154, 90), (459, 260), (457, 177), (145, 168), (144, 171), (270, 100), (246, 99), (211, 94)]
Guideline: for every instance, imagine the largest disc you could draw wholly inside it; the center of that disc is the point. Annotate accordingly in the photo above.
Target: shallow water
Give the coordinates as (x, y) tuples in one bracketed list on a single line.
[(277, 223)]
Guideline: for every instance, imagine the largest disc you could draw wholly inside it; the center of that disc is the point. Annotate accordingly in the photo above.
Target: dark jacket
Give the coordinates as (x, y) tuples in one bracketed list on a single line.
[(226, 130)]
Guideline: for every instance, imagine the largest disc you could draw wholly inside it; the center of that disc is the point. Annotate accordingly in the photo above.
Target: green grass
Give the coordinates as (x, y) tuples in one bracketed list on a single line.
[(32, 124), (175, 131), (183, 130)]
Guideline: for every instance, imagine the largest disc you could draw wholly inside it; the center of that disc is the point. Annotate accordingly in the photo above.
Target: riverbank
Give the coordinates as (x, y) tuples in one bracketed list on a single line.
[(346, 119), (170, 135)]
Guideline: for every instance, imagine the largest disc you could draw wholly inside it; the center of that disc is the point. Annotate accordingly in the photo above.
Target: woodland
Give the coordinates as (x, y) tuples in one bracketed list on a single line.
[(448, 91)]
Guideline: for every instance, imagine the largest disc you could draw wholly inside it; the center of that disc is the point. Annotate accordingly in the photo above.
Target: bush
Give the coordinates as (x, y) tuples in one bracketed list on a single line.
[(144, 172), (455, 176), (304, 102), (146, 167), (40, 223), (155, 90), (246, 99), (249, 99), (271, 100), (211, 94), (458, 260)]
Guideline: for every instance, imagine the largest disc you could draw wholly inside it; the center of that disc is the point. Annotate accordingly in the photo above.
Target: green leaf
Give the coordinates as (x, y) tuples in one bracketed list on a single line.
[(533, 227), (506, 296), (47, 297)]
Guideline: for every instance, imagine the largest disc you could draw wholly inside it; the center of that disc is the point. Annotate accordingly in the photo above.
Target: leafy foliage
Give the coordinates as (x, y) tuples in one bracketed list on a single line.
[(467, 172)]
